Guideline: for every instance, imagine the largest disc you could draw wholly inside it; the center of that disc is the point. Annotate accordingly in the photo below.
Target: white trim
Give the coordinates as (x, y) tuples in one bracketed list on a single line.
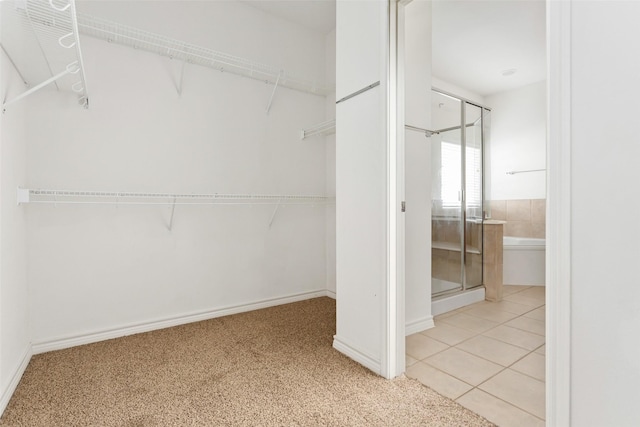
[(419, 325), (330, 294), (15, 379), (558, 275), (366, 360), (452, 302), (72, 341), (393, 308), (399, 31)]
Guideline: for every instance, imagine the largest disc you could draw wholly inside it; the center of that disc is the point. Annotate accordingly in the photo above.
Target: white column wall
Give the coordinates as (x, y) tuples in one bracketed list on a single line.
[(361, 182), (605, 296), (15, 334), (417, 94)]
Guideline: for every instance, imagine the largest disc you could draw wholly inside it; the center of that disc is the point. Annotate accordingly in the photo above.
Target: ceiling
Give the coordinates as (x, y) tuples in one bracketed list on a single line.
[(474, 41)]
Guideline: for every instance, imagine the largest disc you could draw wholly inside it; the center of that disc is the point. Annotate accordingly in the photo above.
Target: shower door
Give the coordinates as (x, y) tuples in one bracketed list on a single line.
[(457, 194)]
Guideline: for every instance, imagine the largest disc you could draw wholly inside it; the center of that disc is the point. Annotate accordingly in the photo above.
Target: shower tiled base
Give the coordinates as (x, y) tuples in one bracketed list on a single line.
[(488, 356)]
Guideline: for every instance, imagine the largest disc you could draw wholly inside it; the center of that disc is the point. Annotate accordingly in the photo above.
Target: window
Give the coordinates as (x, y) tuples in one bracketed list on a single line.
[(451, 180)]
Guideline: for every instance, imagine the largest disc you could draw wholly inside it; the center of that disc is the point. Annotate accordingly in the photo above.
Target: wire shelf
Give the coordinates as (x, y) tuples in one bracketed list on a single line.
[(113, 32), (133, 198), (54, 24), (324, 128)]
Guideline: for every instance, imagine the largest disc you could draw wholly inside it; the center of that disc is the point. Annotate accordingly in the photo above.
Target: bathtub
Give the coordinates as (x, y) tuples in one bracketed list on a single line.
[(523, 261)]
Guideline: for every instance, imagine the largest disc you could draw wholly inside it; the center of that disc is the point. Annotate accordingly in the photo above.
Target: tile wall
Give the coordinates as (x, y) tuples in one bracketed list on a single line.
[(525, 217)]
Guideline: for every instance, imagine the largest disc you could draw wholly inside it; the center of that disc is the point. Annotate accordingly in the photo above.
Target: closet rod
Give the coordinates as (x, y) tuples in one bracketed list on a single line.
[(525, 171), (358, 92), (326, 128), (131, 198), (428, 133)]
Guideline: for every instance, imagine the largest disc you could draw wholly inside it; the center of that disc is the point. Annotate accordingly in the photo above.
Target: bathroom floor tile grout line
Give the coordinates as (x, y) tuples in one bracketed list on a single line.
[(424, 360), (476, 333), (493, 327), (499, 398), (474, 387)]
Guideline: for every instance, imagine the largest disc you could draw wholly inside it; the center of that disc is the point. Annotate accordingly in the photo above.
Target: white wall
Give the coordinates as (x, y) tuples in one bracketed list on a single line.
[(605, 296), (417, 92), (517, 141), (443, 85), (15, 339), (361, 183), (94, 269)]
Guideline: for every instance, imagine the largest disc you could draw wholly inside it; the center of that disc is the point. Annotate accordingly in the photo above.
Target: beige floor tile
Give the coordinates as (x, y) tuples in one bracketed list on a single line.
[(490, 313), (498, 411), (420, 346), (439, 381), (527, 324), (536, 292), (541, 350), (532, 365), (537, 314), (464, 366), (448, 334), (516, 337), (511, 307), (464, 321), (493, 350), (408, 361), (512, 289), (525, 300), (518, 389), (447, 314)]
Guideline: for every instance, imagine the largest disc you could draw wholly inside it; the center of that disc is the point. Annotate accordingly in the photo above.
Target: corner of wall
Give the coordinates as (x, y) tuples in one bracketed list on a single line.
[(7, 392)]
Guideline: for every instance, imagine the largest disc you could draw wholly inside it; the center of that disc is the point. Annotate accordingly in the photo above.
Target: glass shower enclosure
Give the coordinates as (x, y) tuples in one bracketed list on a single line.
[(457, 196)]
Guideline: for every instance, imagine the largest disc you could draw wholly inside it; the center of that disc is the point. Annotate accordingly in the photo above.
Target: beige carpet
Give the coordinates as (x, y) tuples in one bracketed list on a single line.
[(270, 367)]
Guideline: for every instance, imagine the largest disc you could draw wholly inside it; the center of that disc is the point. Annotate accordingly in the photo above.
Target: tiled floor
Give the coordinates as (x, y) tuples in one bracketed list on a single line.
[(489, 357)]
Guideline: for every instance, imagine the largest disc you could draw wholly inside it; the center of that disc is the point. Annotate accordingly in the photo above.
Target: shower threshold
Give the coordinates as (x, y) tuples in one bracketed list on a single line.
[(446, 303)]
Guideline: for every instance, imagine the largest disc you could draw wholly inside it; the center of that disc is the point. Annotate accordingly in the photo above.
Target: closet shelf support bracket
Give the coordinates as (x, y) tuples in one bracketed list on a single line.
[(275, 86), (173, 210), (273, 215), (184, 63), (68, 70), (15, 67)]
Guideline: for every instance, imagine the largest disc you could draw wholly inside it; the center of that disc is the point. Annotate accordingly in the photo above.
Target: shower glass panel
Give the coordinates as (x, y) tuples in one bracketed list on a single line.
[(457, 194), (473, 196), (446, 194)]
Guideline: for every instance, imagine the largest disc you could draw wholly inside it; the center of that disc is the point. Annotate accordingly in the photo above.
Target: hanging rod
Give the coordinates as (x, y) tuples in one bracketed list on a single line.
[(113, 32), (525, 171), (131, 198), (428, 133), (324, 128), (358, 92)]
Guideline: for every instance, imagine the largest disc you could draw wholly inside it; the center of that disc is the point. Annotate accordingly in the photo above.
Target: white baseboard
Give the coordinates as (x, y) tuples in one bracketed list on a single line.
[(72, 341), (419, 325), (452, 302), (15, 379), (330, 294), (364, 359)]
